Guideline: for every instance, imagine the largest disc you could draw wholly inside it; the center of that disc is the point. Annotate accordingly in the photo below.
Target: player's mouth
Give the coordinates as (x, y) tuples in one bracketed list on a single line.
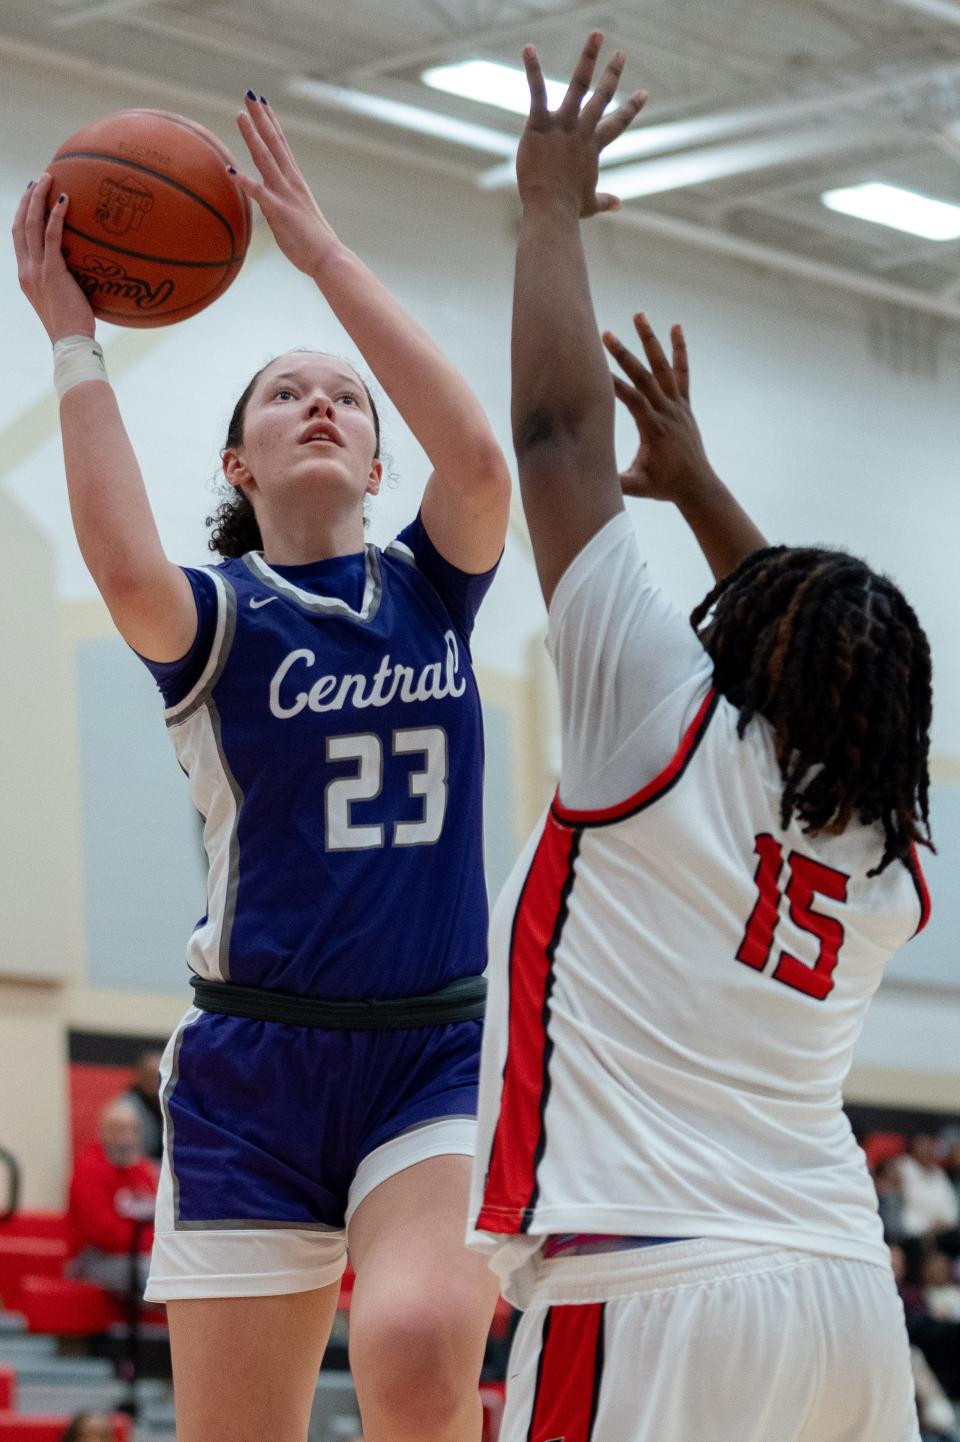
[(321, 431)]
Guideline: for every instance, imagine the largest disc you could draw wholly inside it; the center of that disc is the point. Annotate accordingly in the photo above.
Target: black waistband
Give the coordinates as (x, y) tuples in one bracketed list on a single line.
[(462, 1000)]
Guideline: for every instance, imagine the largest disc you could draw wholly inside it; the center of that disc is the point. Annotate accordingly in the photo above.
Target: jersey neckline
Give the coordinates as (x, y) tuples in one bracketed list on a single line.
[(318, 604)]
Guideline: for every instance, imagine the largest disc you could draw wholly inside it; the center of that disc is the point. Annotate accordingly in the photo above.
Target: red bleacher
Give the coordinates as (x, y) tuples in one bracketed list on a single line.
[(51, 1429), (33, 1250)]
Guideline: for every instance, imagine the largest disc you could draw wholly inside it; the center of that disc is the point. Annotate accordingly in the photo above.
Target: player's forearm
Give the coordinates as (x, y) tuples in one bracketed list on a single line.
[(427, 390), (112, 518), (724, 532), (561, 387)]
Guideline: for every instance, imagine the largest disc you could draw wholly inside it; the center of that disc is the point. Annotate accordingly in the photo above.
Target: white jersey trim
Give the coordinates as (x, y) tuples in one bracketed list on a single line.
[(323, 605), (219, 650)]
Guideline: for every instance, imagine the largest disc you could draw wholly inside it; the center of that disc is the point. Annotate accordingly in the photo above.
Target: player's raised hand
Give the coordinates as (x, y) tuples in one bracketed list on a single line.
[(558, 156), (299, 226), (670, 462), (41, 269)]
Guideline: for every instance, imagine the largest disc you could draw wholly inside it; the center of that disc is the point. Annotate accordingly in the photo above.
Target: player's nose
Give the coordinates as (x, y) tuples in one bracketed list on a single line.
[(319, 404)]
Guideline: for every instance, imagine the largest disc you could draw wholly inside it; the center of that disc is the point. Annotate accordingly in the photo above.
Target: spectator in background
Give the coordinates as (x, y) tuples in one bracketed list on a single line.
[(112, 1196), (144, 1094), (87, 1427), (940, 1291), (938, 1422), (950, 1142), (930, 1203), (890, 1203)]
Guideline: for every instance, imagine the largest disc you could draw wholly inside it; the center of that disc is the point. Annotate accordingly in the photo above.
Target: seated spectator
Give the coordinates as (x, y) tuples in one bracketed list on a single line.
[(144, 1094), (911, 1293), (886, 1179), (938, 1421), (930, 1204), (112, 1195), (940, 1291), (951, 1160), (86, 1427)]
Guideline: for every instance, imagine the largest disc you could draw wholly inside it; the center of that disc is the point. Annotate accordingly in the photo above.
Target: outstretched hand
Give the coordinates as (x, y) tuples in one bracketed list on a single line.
[(670, 461), (558, 156), (44, 278), (283, 195)]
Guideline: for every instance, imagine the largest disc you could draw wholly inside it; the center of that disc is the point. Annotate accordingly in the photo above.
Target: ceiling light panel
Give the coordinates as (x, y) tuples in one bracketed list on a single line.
[(900, 209), (396, 112)]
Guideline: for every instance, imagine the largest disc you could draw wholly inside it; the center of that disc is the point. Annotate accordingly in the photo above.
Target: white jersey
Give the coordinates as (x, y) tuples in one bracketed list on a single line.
[(677, 983)]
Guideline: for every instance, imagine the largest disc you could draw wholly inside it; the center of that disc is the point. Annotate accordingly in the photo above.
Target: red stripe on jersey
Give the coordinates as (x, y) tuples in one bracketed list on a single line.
[(569, 1375), (510, 1189), (920, 882), (667, 777)]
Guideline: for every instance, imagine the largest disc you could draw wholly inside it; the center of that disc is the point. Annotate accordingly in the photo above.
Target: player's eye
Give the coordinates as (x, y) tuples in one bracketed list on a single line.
[(282, 391), (349, 396)]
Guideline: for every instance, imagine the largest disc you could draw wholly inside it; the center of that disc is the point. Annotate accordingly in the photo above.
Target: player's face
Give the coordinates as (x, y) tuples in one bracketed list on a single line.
[(309, 418)]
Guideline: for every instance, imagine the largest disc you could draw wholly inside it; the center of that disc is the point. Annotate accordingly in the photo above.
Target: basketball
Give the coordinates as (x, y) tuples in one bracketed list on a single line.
[(156, 228)]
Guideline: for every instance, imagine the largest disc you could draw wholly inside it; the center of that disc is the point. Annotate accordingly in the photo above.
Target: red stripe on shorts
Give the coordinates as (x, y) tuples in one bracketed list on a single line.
[(510, 1190), (569, 1375)]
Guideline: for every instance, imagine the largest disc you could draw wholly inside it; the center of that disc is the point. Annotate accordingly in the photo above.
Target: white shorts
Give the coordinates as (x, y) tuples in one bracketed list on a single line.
[(711, 1341)]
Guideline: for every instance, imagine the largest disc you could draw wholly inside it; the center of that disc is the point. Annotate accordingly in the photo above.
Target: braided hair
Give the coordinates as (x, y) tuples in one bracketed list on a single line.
[(235, 527), (834, 658)]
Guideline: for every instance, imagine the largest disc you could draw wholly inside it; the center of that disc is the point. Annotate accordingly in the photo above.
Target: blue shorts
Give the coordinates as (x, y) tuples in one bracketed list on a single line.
[(273, 1134)]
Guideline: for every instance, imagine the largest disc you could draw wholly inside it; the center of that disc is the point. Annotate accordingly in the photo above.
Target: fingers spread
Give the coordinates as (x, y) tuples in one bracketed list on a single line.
[(581, 78), (681, 363), (604, 93), (538, 86), (18, 229), (36, 219), (253, 131), (654, 352), (283, 143), (53, 236), (616, 124), (635, 402), (631, 366)]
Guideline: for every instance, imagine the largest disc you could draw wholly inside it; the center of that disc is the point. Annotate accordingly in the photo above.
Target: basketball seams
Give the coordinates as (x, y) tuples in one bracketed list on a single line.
[(153, 259), (156, 175)]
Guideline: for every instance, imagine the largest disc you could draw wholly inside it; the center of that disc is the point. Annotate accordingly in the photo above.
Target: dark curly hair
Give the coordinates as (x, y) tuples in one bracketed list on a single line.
[(235, 527), (834, 658)]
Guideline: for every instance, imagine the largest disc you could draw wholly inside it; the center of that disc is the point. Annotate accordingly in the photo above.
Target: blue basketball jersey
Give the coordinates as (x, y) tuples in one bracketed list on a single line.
[(334, 747)]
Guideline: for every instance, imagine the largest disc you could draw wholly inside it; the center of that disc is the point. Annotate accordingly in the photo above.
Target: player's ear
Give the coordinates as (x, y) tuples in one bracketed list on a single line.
[(235, 468), (375, 478)]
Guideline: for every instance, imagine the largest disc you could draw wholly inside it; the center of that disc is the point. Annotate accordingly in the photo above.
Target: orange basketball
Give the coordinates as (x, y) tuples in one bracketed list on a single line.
[(156, 229)]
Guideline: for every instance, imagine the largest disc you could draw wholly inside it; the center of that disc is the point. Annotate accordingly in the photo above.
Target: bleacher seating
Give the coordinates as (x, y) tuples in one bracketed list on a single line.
[(51, 1429), (33, 1250)]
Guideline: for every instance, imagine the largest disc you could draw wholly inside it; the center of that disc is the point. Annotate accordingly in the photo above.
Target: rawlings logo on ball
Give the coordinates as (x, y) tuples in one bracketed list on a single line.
[(104, 279), (122, 204)]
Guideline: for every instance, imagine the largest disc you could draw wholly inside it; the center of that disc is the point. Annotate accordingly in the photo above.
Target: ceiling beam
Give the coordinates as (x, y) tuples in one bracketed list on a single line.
[(98, 10), (467, 41), (215, 40), (702, 129), (717, 242), (834, 276), (947, 10)]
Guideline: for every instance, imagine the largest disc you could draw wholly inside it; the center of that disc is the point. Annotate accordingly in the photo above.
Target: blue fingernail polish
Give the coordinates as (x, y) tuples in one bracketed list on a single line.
[(263, 100), (231, 170), (250, 95), (29, 184), (61, 199)]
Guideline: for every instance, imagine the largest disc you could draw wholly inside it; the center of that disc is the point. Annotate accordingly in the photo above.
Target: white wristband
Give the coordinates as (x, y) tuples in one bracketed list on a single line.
[(77, 358)]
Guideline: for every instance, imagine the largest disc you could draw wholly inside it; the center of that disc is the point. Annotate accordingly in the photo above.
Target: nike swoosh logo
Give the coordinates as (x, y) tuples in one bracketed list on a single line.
[(257, 601)]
